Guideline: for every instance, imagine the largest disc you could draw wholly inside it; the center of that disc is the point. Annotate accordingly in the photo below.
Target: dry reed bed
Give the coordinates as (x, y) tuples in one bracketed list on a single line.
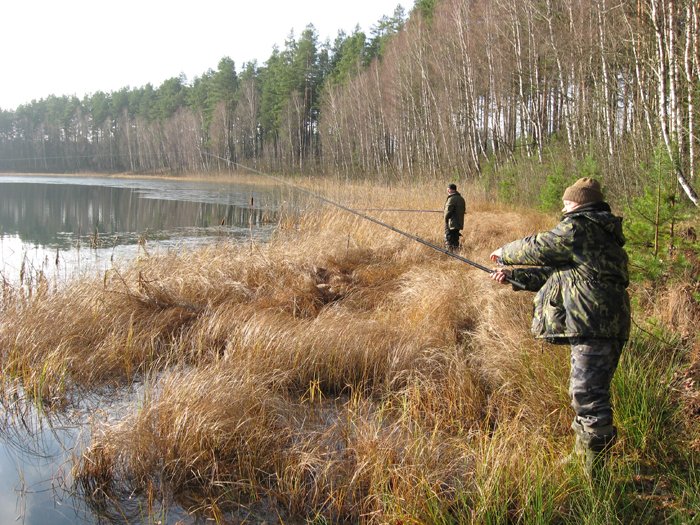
[(341, 370)]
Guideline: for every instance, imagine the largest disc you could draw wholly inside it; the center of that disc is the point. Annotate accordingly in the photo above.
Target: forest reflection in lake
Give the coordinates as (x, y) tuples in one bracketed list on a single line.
[(69, 225)]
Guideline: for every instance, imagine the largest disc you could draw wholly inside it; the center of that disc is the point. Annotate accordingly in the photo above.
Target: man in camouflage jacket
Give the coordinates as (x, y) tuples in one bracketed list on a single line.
[(579, 271)]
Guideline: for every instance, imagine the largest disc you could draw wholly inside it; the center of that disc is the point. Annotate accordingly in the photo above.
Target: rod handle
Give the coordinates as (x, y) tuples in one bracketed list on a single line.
[(516, 284)]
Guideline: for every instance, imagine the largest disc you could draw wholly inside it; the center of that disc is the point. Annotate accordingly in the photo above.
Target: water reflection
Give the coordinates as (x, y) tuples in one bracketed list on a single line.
[(66, 226), (36, 459), (52, 214), (34, 455)]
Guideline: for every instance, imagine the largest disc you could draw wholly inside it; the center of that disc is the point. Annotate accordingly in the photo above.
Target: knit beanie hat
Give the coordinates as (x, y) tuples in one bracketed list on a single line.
[(583, 191)]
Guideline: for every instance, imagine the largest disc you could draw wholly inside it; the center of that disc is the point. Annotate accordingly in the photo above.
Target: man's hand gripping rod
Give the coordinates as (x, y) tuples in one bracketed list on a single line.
[(516, 284)]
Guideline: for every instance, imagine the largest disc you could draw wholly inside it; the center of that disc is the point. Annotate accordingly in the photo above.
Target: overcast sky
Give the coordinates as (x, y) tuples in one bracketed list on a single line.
[(77, 47)]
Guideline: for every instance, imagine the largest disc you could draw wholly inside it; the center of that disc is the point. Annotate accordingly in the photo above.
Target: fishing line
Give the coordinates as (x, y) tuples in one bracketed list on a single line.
[(372, 219)]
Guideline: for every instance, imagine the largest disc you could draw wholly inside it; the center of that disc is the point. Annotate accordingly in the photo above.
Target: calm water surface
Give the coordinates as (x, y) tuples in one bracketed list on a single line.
[(65, 227), (68, 226)]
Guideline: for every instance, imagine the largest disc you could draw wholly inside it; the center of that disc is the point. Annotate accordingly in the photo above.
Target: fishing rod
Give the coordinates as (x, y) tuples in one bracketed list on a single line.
[(399, 210), (429, 244)]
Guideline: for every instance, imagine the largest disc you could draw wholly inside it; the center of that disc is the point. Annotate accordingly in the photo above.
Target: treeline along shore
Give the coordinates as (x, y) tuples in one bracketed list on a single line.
[(345, 374), (450, 87)]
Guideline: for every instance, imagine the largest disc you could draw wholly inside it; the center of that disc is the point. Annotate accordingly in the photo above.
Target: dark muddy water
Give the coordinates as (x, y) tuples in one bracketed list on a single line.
[(64, 227)]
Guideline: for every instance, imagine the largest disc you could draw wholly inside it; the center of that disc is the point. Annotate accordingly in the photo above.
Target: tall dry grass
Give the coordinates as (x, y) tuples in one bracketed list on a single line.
[(341, 372)]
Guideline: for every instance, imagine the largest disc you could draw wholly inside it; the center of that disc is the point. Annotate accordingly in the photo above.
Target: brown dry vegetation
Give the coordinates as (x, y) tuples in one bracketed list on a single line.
[(342, 372)]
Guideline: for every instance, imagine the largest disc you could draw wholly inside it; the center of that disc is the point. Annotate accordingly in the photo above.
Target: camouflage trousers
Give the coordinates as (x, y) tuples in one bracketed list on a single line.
[(593, 363)]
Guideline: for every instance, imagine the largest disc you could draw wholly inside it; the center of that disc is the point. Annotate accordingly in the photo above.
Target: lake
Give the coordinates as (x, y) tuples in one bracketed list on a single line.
[(63, 227), (67, 226)]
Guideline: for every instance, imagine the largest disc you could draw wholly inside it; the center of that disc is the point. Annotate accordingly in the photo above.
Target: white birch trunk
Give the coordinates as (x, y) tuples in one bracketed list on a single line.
[(601, 7), (560, 72), (691, 46), (675, 118), (663, 115)]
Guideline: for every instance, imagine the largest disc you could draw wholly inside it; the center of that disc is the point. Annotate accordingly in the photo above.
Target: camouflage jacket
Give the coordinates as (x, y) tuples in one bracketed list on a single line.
[(580, 276), (455, 208)]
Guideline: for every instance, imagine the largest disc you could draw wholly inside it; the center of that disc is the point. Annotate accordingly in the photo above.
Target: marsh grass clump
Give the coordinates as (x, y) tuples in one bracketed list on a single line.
[(343, 373), (88, 334), (205, 425)]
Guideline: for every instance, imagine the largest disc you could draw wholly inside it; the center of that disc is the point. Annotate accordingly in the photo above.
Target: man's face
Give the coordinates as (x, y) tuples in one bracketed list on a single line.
[(450, 190), (570, 206)]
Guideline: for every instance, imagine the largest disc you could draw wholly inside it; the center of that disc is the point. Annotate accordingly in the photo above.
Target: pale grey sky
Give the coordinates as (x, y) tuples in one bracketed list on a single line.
[(77, 47)]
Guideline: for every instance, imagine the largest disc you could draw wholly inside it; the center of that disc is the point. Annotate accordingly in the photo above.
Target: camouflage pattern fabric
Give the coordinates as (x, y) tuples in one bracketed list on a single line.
[(580, 276), (593, 363), (455, 208)]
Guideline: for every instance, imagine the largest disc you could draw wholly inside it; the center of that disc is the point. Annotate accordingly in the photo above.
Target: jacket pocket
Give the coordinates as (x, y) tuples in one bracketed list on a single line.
[(554, 312)]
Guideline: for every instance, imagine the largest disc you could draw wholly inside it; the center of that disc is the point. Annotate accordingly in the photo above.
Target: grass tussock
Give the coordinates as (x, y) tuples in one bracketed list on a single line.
[(206, 425), (344, 373)]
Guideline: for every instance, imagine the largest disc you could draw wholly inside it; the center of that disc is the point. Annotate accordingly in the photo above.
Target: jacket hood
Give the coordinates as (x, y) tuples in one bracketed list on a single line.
[(601, 214)]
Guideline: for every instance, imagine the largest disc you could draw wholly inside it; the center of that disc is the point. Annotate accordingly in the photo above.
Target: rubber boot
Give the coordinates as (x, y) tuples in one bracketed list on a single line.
[(575, 457), (593, 448)]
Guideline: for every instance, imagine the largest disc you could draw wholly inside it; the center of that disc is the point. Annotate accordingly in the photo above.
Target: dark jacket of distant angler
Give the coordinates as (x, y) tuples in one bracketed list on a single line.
[(581, 276), (455, 208)]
